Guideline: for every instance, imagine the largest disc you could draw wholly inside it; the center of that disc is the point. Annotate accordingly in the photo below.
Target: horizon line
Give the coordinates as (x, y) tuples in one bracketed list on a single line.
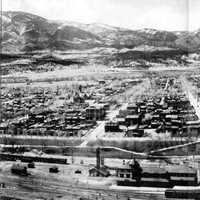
[(100, 23)]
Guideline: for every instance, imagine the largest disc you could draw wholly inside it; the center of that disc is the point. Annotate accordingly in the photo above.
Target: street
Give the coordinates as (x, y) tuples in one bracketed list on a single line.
[(99, 130)]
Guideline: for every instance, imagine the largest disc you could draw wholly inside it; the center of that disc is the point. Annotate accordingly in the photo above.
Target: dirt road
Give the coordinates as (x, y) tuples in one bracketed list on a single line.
[(99, 130), (193, 100)]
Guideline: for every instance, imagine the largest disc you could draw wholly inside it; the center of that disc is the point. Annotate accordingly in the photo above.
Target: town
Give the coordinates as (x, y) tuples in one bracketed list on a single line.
[(100, 100), (96, 126)]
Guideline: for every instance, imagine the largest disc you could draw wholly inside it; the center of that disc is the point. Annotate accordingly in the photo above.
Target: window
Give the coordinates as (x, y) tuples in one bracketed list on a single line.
[(121, 175), (128, 175)]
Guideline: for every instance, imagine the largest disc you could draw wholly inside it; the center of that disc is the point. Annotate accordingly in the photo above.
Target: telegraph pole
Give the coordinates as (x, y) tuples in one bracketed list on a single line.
[(1, 42)]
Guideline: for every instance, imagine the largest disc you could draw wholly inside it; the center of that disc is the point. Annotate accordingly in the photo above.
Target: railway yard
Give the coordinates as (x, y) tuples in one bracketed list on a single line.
[(61, 124)]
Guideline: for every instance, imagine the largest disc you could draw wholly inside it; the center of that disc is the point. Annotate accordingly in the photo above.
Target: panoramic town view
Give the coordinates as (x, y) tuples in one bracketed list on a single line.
[(93, 111)]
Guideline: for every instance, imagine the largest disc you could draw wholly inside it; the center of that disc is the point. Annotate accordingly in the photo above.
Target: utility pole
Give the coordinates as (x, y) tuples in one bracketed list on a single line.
[(72, 155), (1, 41)]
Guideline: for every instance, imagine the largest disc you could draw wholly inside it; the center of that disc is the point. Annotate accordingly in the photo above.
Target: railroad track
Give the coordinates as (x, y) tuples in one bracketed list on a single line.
[(51, 187)]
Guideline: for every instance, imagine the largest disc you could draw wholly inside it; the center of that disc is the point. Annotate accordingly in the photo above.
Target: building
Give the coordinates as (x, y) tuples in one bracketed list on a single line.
[(133, 131), (102, 172), (95, 113), (112, 127), (152, 176), (100, 169), (124, 171), (132, 120), (19, 169)]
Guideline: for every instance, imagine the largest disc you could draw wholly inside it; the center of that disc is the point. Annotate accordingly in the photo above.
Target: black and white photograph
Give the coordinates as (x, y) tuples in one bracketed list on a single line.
[(99, 99)]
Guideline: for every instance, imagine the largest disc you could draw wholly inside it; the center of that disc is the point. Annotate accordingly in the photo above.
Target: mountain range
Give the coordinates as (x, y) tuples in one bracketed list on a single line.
[(25, 32)]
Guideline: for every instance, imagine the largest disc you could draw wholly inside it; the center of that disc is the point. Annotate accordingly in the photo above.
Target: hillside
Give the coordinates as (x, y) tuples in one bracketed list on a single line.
[(25, 32)]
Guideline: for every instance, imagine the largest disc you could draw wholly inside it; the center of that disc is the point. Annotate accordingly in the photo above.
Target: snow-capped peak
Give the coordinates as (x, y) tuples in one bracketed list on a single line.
[(148, 31)]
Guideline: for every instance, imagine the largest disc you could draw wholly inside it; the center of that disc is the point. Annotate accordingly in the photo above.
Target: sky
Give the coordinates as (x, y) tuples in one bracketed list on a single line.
[(172, 15)]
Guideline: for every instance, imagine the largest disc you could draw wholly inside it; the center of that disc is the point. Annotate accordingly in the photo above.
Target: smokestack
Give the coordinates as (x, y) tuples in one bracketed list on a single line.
[(102, 161), (98, 157)]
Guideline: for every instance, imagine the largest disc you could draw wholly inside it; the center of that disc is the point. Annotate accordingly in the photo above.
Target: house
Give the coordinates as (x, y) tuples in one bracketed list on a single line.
[(19, 169), (124, 171), (73, 120), (53, 169), (133, 131), (95, 113), (191, 130), (133, 108), (112, 127), (3, 128), (143, 109), (169, 118), (120, 121), (102, 172), (132, 120), (155, 124)]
